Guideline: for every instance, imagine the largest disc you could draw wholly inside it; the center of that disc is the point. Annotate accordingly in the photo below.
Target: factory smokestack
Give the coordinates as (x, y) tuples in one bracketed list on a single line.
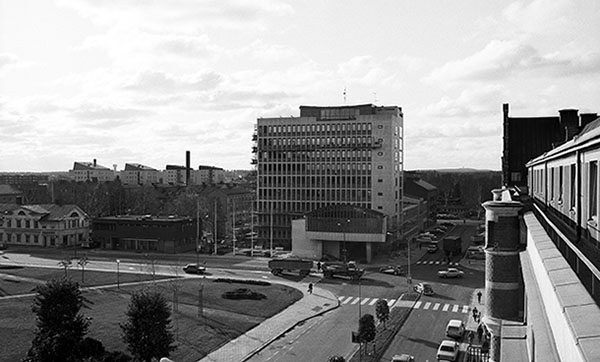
[(187, 168)]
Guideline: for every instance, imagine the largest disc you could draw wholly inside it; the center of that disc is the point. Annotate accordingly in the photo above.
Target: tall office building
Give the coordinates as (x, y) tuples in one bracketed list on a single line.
[(343, 155)]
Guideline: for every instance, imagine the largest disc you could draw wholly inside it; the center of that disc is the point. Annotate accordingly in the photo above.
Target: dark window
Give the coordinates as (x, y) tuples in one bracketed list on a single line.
[(573, 186), (593, 189)]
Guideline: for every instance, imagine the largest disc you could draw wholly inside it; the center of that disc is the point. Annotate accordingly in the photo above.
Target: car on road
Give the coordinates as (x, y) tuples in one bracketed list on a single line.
[(432, 248), (447, 351), (450, 273), (455, 328), (403, 358), (392, 269), (424, 289), (194, 269)]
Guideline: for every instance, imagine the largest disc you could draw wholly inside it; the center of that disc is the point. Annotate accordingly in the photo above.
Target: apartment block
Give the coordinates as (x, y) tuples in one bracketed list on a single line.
[(333, 155), (137, 174), (92, 172)]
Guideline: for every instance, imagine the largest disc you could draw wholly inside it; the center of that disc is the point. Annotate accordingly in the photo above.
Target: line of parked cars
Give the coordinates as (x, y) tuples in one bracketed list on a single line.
[(448, 348)]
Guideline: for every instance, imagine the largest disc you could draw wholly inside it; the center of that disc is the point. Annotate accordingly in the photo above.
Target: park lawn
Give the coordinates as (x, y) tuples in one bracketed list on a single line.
[(222, 320)]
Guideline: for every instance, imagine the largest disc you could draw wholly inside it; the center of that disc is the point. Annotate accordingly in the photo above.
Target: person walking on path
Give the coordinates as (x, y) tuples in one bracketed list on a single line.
[(479, 332), (479, 296), (475, 314), (318, 266), (310, 288)]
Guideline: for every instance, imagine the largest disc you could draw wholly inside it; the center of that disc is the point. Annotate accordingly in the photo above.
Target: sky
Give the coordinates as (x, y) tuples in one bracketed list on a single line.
[(134, 81)]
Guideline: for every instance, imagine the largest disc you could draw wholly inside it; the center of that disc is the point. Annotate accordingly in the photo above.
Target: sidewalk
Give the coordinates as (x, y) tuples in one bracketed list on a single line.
[(471, 324), (258, 338)]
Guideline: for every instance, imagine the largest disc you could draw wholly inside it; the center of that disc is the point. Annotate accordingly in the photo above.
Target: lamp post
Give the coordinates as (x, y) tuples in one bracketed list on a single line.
[(197, 231), (344, 250), (118, 285)]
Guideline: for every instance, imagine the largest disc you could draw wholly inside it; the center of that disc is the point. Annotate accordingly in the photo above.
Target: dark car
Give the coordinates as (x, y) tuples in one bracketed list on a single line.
[(392, 269), (423, 288), (194, 269)]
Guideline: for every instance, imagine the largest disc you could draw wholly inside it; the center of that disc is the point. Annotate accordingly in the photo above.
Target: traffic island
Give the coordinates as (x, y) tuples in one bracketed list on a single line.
[(385, 333)]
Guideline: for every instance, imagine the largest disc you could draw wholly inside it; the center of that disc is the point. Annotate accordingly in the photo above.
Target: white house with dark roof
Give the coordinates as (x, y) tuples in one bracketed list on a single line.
[(45, 225), (91, 171), (137, 174)]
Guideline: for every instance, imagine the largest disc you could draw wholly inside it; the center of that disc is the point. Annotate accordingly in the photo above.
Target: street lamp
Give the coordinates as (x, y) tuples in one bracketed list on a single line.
[(344, 250), (118, 285)]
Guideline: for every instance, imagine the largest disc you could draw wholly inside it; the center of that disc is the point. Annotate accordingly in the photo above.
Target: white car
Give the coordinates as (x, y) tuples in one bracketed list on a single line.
[(424, 288), (450, 273), (455, 328), (403, 358), (447, 351)]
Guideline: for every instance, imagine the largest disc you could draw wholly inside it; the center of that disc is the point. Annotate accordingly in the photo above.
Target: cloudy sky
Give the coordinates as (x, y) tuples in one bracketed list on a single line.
[(143, 81)]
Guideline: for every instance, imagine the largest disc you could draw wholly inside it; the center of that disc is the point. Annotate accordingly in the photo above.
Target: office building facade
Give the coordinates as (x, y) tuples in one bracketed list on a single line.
[(345, 155)]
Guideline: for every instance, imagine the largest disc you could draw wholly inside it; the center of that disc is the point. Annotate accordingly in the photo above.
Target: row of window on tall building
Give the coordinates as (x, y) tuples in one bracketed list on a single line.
[(308, 129), (321, 168), (317, 156), (316, 181), (319, 141), (294, 208), (347, 195)]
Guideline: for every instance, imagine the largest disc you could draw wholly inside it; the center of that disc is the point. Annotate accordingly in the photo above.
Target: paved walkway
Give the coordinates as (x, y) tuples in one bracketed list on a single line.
[(254, 340)]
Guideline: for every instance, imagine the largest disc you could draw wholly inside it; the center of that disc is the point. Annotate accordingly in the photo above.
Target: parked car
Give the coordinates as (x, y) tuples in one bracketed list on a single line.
[(450, 273), (424, 288), (447, 351), (392, 269), (455, 328), (432, 248), (194, 269), (403, 358)]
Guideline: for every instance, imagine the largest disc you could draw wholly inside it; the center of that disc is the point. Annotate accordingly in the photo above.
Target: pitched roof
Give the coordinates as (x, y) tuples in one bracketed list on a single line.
[(88, 166), (50, 211), (137, 167), (426, 185)]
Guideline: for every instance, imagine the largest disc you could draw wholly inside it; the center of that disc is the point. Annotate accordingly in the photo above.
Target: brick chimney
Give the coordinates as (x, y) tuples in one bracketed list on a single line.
[(94, 162), (569, 121), (586, 118), (187, 167)]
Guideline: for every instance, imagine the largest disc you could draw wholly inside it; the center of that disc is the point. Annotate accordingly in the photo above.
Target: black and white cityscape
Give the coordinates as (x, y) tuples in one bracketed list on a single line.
[(279, 181)]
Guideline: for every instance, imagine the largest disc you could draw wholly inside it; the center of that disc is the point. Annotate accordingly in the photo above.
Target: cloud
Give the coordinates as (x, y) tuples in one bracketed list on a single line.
[(160, 82), (472, 102), (537, 16), (502, 59), (96, 112)]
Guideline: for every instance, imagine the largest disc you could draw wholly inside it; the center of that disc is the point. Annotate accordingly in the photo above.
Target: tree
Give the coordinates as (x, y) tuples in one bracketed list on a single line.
[(336, 358), (66, 264), (83, 261), (147, 330), (366, 328), (60, 326), (382, 311)]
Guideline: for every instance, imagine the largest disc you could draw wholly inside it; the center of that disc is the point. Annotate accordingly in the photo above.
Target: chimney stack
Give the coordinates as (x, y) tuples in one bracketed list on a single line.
[(187, 167), (94, 162), (586, 118), (569, 121)]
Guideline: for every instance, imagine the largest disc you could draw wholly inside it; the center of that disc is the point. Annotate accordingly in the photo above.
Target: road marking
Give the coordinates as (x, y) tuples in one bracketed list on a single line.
[(455, 308), (347, 300), (437, 262), (431, 262), (446, 306), (427, 305), (364, 301), (355, 300), (465, 309), (341, 298), (391, 302), (418, 304), (436, 306), (373, 301), (419, 262)]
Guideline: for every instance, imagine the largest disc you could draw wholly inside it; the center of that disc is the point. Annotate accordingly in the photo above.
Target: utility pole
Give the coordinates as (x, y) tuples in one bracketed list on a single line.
[(271, 232), (215, 228), (233, 223), (197, 231)]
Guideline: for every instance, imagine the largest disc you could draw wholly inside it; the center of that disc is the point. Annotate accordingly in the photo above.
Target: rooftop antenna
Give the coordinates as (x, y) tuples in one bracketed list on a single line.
[(375, 97), (344, 95)]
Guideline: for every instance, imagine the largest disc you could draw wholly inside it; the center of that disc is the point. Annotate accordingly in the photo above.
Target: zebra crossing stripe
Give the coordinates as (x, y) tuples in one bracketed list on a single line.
[(455, 308), (465, 309), (418, 304), (364, 301), (373, 301), (347, 300), (446, 306), (436, 306), (437, 262), (355, 300), (427, 305), (391, 302), (418, 262)]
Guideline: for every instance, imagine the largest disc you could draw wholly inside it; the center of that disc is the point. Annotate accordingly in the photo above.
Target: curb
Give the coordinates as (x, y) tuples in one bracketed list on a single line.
[(266, 344)]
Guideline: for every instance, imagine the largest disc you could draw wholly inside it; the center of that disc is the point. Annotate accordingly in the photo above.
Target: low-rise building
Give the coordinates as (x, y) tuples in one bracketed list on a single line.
[(206, 175), (10, 195), (137, 174), (45, 225), (91, 171), (145, 233)]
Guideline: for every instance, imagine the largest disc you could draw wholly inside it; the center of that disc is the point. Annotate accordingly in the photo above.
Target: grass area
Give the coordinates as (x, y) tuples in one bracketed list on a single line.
[(222, 319)]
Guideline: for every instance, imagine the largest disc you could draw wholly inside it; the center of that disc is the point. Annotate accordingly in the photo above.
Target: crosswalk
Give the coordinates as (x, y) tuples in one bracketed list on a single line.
[(364, 301), (432, 306), (435, 262)]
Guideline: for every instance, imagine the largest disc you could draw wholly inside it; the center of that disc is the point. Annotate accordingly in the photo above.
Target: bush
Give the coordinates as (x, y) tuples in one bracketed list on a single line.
[(243, 293), (242, 281)]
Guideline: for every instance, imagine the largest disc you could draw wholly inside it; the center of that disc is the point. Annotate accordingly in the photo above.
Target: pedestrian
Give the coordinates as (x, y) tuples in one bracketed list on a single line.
[(479, 317), (470, 337), (479, 296), (318, 266), (310, 288), (475, 314), (479, 332)]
